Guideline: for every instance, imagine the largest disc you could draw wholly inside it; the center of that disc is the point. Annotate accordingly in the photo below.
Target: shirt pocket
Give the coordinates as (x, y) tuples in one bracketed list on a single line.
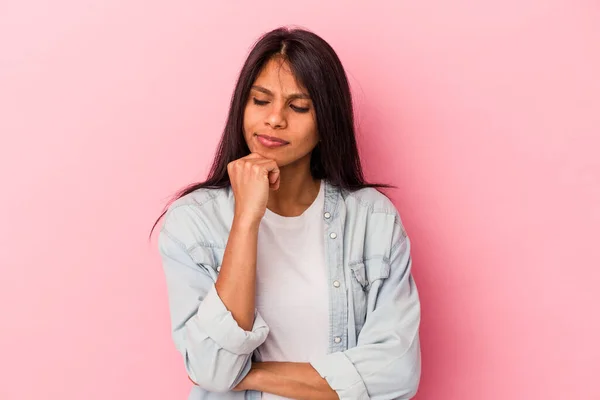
[(366, 278)]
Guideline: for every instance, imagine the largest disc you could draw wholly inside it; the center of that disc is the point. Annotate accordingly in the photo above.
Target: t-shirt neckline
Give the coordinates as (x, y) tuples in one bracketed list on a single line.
[(315, 207)]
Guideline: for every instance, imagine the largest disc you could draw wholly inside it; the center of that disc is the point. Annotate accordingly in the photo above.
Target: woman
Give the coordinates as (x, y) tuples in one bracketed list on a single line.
[(288, 275)]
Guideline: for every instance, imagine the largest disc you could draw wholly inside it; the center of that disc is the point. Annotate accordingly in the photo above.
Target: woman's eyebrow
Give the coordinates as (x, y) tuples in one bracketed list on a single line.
[(289, 97)]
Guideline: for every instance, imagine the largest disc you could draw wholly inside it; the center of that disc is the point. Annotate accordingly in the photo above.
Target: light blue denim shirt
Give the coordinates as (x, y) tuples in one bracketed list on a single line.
[(374, 309)]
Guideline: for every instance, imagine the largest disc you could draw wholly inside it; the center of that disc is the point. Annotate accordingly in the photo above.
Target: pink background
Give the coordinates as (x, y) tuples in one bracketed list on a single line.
[(485, 114)]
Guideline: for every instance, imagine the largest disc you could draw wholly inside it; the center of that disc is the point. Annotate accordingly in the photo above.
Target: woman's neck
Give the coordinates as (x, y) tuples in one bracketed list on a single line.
[(297, 191)]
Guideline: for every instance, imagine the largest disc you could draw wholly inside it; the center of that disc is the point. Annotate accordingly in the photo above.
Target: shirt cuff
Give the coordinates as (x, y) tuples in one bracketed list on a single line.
[(341, 375), (218, 323)]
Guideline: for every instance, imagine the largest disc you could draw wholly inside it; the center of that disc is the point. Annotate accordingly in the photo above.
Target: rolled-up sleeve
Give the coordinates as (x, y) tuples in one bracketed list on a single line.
[(216, 350), (386, 362)]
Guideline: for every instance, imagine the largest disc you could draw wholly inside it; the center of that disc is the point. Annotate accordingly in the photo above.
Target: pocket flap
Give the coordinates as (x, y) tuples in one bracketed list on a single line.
[(368, 271)]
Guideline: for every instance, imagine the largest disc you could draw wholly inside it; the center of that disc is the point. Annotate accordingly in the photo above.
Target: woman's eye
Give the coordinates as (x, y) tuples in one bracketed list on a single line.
[(299, 109), (259, 102)]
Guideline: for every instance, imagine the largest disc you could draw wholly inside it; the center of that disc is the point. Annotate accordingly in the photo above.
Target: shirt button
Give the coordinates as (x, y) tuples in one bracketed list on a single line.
[(333, 235), (336, 283), (337, 339), (219, 268), (327, 215)]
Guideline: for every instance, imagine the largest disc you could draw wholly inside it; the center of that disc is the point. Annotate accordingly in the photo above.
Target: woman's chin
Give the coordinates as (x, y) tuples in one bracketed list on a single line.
[(268, 154)]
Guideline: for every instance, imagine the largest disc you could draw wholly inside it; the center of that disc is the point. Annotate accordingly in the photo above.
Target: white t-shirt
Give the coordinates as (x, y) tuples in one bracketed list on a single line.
[(291, 285)]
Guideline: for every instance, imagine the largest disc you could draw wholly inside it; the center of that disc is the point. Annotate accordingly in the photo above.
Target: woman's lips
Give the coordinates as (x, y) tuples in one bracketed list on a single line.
[(270, 142)]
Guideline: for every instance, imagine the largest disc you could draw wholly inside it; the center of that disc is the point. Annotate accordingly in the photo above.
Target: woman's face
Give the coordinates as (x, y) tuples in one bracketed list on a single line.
[(279, 118)]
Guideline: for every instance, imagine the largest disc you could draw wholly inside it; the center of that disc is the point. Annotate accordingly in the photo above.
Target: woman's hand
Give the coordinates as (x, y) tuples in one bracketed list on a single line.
[(251, 178)]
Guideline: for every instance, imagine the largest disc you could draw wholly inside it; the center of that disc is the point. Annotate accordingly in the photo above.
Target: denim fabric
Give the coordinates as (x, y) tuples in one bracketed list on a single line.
[(374, 309)]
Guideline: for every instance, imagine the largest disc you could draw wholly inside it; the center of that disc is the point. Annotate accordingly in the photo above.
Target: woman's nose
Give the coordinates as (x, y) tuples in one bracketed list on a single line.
[(276, 118)]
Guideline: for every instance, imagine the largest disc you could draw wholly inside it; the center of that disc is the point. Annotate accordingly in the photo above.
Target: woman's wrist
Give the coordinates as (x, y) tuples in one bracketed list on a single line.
[(245, 221)]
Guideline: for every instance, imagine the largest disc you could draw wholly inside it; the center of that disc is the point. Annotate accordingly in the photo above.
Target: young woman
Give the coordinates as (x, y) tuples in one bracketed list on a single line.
[(288, 275)]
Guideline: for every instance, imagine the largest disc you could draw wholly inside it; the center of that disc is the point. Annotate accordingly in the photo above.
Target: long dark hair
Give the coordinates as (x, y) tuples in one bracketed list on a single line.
[(317, 67)]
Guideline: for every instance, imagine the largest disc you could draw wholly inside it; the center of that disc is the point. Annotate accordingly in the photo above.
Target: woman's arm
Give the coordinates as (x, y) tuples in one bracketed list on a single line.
[(216, 326), (216, 343), (236, 283), (292, 380), (252, 177), (386, 362)]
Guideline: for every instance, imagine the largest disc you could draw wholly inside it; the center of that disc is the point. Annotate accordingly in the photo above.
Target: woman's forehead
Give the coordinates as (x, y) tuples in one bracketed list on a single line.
[(277, 76)]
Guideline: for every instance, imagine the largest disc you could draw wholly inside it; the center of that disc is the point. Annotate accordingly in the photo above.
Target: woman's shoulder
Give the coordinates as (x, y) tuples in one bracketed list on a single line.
[(370, 198), (199, 214), (202, 198), (374, 223)]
